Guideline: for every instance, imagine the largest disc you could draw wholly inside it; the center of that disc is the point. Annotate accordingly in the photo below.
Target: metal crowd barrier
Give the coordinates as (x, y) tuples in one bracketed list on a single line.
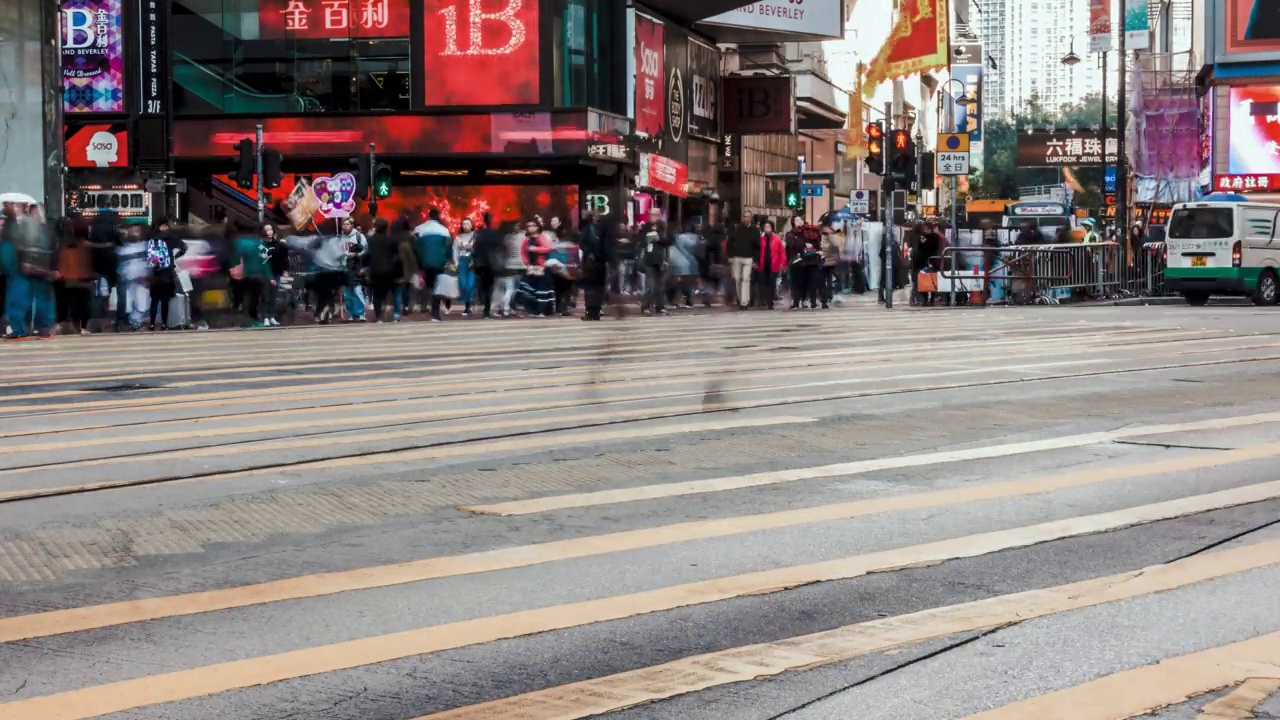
[(1031, 274), (1144, 276)]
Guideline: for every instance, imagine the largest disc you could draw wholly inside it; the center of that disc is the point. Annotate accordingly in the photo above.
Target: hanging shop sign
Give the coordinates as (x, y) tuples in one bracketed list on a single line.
[(664, 175), (1099, 26), (126, 201), (704, 91), (1083, 148), (759, 105), (92, 56), (650, 87)]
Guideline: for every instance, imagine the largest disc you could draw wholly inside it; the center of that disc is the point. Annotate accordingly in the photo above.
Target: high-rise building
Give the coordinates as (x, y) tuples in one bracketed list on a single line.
[(1025, 41)]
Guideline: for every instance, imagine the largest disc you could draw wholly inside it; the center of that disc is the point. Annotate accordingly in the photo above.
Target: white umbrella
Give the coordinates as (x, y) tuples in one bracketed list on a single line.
[(17, 197)]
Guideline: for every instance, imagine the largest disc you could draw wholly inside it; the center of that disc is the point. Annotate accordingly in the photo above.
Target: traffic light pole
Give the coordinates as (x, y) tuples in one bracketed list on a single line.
[(886, 244), (802, 207), (262, 198), (373, 191)]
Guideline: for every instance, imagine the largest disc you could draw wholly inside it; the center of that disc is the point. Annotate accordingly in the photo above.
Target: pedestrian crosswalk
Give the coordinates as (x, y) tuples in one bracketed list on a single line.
[(799, 515)]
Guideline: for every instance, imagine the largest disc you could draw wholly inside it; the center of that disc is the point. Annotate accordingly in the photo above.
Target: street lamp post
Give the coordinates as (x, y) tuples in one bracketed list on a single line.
[(959, 100), (1070, 60)]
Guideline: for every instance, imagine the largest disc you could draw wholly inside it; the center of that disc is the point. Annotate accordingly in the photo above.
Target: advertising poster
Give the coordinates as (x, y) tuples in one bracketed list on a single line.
[(1099, 26), (1251, 26), (302, 204), (98, 145), (704, 91), (1206, 140), (651, 100), (92, 56), (279, 19), (1253, 137), (482, 52), (969, 117), (1137, 25), (336, 193)]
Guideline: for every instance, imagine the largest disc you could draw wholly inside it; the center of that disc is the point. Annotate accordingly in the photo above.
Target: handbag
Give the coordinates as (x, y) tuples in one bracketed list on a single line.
[(237, 272), (418, 281), (447, 286), (926, 282)]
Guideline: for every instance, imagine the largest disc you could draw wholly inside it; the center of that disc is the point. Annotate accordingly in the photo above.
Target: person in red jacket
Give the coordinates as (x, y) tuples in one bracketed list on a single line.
[(771, 260)]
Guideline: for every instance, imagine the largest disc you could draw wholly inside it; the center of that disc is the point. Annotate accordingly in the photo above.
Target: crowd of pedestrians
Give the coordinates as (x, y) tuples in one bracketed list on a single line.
[(61, 276)]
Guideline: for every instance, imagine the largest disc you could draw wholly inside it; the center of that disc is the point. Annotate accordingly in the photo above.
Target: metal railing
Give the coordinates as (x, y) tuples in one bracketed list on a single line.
[(1047, 274)]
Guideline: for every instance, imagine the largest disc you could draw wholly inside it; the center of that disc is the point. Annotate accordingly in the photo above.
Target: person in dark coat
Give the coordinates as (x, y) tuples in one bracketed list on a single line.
[(925, 257), (385, 266), (654, 244), (596, 260), (486, 259)]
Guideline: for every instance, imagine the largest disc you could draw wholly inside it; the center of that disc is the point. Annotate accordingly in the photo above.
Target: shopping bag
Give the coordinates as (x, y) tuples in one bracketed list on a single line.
[(184, 281), (926, 282), (446, 286)]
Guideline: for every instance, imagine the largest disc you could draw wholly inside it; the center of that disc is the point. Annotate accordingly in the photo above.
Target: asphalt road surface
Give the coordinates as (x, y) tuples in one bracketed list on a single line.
[(1004, 514)]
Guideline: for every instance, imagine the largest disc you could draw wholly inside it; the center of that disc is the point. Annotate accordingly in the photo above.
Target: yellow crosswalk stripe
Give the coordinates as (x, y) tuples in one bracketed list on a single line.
[(868, 637), (58, 622), (691, 674), (1240, 702), (1141, 690)]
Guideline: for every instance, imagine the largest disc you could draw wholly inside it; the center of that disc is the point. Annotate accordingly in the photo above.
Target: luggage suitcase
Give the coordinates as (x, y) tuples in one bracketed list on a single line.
[(179, 312)]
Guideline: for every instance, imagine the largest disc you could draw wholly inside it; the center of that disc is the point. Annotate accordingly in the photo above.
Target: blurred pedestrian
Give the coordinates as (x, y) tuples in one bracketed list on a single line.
[(830, 248), (743, 251), (74, 286), (597, 257), (564, 264), (278, 264), (770, 260), (486, 260), (357, 249), (163, 252), (683, 255), (536, 288), (410, 273), (654, 247), (386, 269), (329, 255), (465, 246), (250, 253), (434, 248), (133, 271)]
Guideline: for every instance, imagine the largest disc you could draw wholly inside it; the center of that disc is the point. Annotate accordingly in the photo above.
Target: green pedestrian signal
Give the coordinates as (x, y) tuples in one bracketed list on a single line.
[(792, 194), (382, 181)]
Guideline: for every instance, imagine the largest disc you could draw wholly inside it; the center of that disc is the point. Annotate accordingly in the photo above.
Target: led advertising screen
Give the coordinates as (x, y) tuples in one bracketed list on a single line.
[(480, 52), (1253, 139), (333, 18), (92, 56), (1251, 26)]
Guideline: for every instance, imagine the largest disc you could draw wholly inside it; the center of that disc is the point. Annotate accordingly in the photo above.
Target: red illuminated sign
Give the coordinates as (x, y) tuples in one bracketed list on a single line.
[(901, 139), (1247, 183), (333, 18), (873, 131), (98, 145), (480, 52), (664, 175)]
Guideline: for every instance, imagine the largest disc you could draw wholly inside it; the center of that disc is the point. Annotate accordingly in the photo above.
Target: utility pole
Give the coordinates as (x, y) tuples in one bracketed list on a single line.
[(803, 209), (1122, 168), (886, 243), (257, 160)]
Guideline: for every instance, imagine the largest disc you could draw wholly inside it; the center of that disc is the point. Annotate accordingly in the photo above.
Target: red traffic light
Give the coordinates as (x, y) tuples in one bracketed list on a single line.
[(874, 131), (901, 139), (874, 148)]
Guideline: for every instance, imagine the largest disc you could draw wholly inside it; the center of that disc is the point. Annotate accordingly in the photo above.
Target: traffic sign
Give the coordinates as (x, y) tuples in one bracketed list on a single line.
[(812, 191), (953, 143), (860, 202), (953, 163)]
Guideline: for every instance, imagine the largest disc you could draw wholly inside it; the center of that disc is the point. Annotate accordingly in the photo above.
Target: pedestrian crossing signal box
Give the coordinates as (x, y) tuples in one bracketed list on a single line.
[(793, 194), (382, 181)]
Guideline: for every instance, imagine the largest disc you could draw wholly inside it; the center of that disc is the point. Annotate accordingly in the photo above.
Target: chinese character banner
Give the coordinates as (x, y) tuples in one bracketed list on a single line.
[(651, 93), (480, 52), (919, 43), (92, 56), (1082, 148), (333, 18), (1253, 139), (1253, 182)]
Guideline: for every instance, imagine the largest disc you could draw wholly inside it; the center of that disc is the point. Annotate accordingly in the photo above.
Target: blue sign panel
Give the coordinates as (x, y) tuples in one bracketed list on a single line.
[(1109, 180), (811, 191)]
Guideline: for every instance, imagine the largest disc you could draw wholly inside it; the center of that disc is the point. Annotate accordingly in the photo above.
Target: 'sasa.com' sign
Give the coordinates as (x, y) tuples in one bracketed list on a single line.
[(1051, 149)]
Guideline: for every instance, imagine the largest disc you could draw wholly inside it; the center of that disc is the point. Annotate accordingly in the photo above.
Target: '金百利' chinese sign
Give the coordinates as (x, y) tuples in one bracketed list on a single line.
[(1052, 149), (92, 56), (333, 18)]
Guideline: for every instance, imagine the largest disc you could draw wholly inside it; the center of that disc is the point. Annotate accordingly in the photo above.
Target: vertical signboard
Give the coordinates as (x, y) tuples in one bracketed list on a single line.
[(1206, 139), (675, 64), (704, 91), (480, 52), (92, 56), (650, 83), (968, 115), (1099, 26), (153, 50), (1137, 25)]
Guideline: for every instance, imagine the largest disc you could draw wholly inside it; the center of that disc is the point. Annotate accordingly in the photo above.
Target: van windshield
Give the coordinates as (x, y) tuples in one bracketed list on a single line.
[(1202, 223)]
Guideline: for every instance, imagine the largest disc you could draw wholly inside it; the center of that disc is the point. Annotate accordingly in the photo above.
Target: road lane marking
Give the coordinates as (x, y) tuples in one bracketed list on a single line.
[(699, 672), (1239, 703), (857, 467), (211, 679), (1145, 689), (463, 449), (57, 622)]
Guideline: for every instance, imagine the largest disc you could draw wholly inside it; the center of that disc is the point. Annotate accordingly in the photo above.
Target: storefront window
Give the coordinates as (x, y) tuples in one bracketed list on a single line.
[(582, 56), (270, 56)]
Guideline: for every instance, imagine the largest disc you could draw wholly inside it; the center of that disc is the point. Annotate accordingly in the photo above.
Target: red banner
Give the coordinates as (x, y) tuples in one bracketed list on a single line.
[(333, 18), (1099, 26), (1247, 183), (664, 175), (918, 43), (480, 52), (650, 88)]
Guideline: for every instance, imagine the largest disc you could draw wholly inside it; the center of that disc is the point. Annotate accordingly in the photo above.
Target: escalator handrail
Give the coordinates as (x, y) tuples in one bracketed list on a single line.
[(239, 86)]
